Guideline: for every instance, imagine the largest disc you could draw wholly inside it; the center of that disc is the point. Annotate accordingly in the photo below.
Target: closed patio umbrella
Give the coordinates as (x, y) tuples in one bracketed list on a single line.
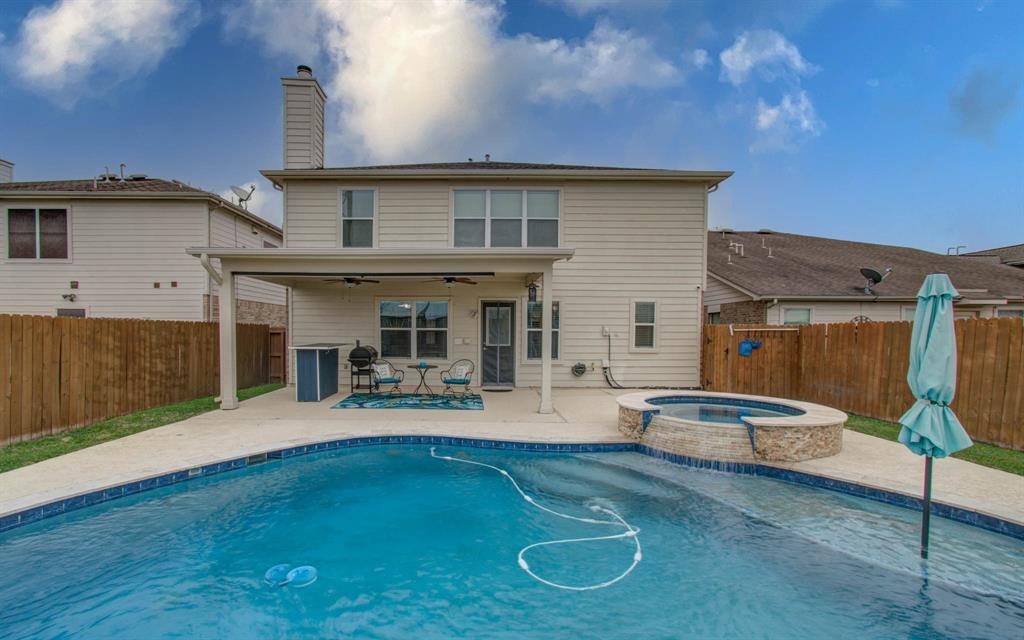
[(930, 428)]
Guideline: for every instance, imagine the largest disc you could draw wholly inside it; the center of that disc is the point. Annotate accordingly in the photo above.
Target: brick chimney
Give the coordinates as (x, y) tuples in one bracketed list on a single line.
[(6, 171), (303, 120)]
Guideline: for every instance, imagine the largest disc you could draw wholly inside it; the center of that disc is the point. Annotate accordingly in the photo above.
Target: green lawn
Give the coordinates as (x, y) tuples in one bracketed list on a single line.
[(25, 453), (983, 454)]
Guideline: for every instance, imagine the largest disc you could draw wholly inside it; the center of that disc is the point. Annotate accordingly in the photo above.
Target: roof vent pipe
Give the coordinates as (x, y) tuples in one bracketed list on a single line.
[(123, 165), (304, 71), (770, 253)]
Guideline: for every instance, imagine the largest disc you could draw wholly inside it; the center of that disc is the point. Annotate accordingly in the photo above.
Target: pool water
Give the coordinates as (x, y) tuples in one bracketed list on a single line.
[(718, 412), (407, 545)]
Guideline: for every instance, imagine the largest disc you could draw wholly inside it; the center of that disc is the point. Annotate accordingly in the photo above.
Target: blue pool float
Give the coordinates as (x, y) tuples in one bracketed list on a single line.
[(301, 576), (277, 575)]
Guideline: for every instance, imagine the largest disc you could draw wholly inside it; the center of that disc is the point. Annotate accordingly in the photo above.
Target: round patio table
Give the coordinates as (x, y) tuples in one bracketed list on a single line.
[(423, 369)]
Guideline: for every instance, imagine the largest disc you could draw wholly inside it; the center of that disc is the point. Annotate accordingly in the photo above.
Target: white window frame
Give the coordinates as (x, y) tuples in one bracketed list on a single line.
[(783, 310), (526, 329), (413, 300), (633, 324), (523, 243), (37, 206), (341, 220)]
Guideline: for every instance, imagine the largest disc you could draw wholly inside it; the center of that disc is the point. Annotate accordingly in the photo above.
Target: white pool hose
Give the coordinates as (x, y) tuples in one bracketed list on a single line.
[(630, 530)]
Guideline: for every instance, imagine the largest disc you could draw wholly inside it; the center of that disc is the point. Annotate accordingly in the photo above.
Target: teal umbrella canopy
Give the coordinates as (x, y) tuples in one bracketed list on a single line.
[(930, 428)]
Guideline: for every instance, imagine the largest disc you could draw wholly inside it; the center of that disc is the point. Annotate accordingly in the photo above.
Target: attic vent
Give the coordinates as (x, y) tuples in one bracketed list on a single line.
[(135, 177)]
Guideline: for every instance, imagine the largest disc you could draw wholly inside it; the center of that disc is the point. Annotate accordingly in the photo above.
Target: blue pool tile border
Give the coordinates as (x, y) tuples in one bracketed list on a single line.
[(74, 503)]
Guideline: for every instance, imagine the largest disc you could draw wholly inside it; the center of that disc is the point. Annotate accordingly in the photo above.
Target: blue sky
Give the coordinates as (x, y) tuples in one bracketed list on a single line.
[(893, 122)]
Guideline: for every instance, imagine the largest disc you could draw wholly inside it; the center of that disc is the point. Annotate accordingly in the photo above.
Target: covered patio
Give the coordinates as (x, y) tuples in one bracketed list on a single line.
[(481, 299)]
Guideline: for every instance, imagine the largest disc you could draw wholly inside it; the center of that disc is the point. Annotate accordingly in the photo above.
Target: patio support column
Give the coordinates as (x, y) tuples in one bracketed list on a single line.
[(545, 343), (228, 329)]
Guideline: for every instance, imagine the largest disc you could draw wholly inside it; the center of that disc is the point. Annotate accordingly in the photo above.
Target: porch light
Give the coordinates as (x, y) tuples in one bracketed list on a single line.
[(531, 291)]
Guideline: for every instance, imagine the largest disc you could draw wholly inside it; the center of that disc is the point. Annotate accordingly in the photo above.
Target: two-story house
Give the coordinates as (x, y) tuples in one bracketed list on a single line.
[(115, 247), (541, 274)]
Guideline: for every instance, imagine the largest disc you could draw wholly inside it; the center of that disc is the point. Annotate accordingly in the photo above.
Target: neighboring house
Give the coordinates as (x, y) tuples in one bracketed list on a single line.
[(784, 278), (116, 248), (436, 262), (1012, 255)]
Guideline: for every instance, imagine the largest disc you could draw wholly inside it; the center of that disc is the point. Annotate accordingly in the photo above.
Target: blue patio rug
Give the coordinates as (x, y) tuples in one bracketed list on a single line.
[(472, 401)]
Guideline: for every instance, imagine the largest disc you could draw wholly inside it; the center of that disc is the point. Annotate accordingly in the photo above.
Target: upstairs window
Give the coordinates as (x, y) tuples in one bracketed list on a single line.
[(644, 318), (37, 234), (357, 214), (505, 218)]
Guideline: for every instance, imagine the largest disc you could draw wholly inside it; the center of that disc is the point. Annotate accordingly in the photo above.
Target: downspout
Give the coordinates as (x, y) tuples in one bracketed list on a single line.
[(204, 259)]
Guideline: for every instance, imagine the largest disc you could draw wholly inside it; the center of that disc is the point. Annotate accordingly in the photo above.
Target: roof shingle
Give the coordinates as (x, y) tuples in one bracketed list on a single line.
[(809, 266), (148, 185)]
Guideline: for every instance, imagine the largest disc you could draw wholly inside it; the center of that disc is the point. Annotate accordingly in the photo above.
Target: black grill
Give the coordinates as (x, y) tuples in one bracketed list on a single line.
[(359, 361)]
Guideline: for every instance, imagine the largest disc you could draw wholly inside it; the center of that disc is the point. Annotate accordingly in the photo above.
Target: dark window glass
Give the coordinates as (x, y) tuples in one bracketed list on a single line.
[(395, 343), (542, 233), (432, 314), (431, 343), (53, 233), (469, 232), (70, 313), (21, 233), (534, 322)]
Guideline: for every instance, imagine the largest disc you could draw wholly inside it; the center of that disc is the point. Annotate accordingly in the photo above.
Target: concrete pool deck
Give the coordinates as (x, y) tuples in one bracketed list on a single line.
[(275, 421)]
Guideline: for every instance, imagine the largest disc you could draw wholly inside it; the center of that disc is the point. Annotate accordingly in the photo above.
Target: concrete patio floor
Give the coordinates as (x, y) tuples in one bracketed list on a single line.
[(276, 421)]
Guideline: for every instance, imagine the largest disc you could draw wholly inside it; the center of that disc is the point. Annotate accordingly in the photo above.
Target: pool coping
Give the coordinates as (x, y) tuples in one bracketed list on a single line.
[(72, 503), (814, 415)]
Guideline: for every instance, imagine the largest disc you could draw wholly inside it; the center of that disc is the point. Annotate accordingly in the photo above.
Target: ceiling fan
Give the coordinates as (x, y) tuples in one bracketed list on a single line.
[(449, 281), (352, 282)]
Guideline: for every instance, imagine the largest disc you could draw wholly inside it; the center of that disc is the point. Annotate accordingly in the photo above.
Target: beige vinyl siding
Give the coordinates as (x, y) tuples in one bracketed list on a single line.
[(230, 230), (119, 249), (718, 293), (303, 125), (632, 241)]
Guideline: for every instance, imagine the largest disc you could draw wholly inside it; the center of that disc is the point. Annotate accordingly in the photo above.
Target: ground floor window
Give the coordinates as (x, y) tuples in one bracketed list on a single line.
[(644, 316), (535, 329), (71, 313), (1010, 313), (414, 329), (796, 315), (714, 317)]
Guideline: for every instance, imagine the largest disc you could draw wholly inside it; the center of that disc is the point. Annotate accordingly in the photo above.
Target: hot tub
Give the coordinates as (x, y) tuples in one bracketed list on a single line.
[(731, 427)]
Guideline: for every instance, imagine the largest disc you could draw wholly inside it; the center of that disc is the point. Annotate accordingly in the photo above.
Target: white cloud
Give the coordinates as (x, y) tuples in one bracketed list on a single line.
[(872, 82), (782, 126), (423, 79), (265, 202), (584, 7), (699, 58), (74, 47), (765, 51)]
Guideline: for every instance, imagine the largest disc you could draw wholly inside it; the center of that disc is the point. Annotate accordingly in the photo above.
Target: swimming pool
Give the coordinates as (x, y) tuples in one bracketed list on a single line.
[(409, 545)]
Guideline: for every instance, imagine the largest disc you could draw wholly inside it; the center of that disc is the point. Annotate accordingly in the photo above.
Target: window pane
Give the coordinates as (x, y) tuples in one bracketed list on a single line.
[(542, 233), (506, 233), (21, 233), (554, 344), (644, 336), (499, 326), (506, 204), (469, 233), (432, 343), (797, 316), (432, 314), (533, 346), (556, 322), (470, 204), (644, 313), (53, 233), (541, 204), (357, 233), (394, 315), (70, 313), (357, 204), (396, 343), (534, 311), (1010, 313)]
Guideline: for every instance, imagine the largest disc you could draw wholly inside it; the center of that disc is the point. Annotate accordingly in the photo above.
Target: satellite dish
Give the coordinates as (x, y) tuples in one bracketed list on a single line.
[(873, 278), (243, 195)]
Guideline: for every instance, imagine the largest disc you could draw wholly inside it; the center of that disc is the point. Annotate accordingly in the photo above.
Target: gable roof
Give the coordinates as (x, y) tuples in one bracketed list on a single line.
[(1012, 254), (492, 168), (813, 267), (141, 188)]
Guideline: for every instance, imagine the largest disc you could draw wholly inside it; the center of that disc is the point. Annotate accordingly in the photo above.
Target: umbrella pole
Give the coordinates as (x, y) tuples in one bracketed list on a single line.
[(926, 513)]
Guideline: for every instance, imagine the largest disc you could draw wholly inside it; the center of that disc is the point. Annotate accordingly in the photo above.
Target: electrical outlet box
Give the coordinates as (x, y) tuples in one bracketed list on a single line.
[(606, 331), (604, 364)]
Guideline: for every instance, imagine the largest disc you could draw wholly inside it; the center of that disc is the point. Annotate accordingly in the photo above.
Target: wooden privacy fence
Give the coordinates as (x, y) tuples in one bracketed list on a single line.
[(862, 368), (61, 373)]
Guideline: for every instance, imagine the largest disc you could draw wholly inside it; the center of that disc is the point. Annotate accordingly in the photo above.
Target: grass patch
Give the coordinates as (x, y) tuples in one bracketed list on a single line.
[(21, 454), (987, 455)]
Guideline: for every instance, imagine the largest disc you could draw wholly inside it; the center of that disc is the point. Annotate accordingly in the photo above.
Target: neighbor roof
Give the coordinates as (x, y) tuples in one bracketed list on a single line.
[(144, 188), (810, 267), (1012, 254), (490, 168)]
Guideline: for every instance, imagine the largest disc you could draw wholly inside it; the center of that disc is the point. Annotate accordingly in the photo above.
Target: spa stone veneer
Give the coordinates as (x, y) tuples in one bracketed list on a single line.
[(816, 433)]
